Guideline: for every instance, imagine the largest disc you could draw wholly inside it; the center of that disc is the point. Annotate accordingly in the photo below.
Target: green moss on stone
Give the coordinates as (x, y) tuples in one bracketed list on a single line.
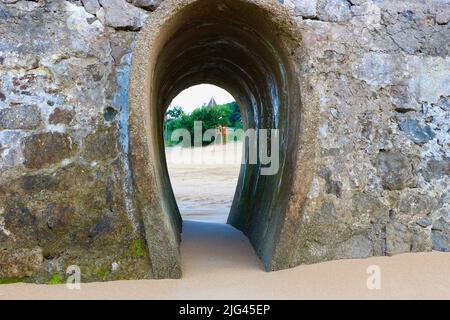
[(10, 280), (55, 279), (136, 249), (102, 274)]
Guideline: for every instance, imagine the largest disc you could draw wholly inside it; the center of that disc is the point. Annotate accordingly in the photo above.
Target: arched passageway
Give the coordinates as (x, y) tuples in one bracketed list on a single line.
[(204, 177), (252, 49)]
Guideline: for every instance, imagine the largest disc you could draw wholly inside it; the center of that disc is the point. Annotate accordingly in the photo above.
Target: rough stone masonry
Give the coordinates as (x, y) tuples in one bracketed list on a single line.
[(381, 183)]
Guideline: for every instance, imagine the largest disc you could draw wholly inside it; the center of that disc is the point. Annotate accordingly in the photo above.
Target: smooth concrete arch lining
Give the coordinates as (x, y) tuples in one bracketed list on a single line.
[(252, 49)]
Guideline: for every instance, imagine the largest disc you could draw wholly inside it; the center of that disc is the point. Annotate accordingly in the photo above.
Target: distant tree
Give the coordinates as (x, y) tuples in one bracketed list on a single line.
[(211, 118), (175, 112), (227, 115)]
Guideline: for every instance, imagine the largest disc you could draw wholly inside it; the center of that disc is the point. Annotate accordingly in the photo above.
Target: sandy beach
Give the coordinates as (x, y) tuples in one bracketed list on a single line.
[(219, 262), (205, 191)]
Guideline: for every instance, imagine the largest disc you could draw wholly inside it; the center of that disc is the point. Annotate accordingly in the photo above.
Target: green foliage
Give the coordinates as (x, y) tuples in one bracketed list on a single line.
[(175, 112), (227, 115), (102, 273), (136, 249), (212, 117), (10, 280), (55, 279)]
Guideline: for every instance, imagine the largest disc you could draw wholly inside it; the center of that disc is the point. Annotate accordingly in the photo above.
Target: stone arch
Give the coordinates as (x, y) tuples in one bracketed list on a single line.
[(251, 48)]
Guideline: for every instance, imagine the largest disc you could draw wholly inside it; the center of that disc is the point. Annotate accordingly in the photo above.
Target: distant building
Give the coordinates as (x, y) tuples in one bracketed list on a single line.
[(212, 103)]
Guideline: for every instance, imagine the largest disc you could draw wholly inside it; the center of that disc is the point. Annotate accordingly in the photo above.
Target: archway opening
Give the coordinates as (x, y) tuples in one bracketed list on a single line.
[(251, 48), (204, 177)]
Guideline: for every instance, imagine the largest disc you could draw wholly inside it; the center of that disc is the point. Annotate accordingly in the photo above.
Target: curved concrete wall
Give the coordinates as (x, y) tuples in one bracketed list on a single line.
[(252, 49)]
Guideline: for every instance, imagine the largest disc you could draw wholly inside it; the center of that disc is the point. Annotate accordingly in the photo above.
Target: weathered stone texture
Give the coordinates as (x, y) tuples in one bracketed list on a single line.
[(56, 209), (61, 116), (19, 263), (21, 117), (121, 15), (382, 179), (333, 10), (416, 132), (440, 235), (45, 149), (91, 6), (101, 145), (384, 129), (395, 170), (304, 8), (146, 4)]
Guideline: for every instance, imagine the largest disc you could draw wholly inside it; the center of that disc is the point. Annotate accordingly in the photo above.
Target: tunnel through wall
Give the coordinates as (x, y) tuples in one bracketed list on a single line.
[(251, 49)]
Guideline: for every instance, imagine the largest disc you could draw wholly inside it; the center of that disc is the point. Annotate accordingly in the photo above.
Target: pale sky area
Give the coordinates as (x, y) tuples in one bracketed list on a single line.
[(196, 96)]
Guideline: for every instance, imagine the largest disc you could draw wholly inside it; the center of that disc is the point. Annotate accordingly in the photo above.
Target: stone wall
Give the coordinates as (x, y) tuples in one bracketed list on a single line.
[(64, 183), (382, 184), (382, 181)]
